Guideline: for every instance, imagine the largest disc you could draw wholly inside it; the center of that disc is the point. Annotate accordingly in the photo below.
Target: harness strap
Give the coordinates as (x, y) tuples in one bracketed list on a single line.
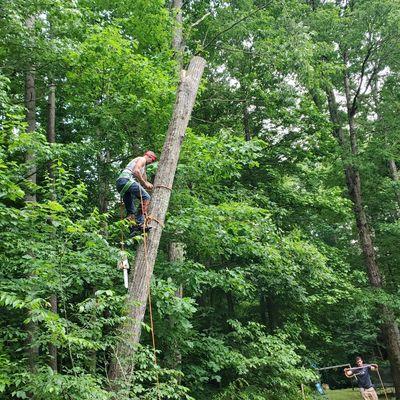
[(127, 186), (131, 181)]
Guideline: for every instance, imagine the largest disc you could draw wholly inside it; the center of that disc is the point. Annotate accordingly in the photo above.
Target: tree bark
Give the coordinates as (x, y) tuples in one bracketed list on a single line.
[(139, 282), (30, 104), (246, 123), (51, 138), (176, 254), (51, 122), (103, 163), (53, 362), (177, 38)]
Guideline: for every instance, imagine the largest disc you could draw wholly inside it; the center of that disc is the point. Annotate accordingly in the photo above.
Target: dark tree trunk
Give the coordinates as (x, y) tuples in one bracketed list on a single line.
[(30, 104), (103, 163), (246, 123), (139, 282)]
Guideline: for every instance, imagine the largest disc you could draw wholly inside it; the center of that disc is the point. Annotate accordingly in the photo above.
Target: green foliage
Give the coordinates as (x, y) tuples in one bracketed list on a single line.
[(272, 277)]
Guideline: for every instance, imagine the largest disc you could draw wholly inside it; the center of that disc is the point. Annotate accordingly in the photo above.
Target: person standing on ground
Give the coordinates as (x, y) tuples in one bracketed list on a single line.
[(132, 183), (361, 372)]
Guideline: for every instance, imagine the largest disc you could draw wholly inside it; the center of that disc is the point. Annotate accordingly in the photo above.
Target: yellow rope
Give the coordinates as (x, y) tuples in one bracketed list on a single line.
[(383, 386)]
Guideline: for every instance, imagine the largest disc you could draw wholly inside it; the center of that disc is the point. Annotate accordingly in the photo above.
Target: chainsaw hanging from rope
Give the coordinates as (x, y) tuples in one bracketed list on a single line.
[(123, 264)]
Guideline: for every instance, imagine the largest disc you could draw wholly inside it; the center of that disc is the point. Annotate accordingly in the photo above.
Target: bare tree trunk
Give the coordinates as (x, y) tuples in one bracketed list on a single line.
[(53, 363), (246, 123), (30, 104), (103, 162), (51, 122), (177, 249), (51, 138), (177, 39), (176, 254), (353, 180), (139, 282)]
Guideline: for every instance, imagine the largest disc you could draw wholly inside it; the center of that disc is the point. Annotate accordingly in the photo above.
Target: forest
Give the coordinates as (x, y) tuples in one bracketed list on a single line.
[(274, 214)]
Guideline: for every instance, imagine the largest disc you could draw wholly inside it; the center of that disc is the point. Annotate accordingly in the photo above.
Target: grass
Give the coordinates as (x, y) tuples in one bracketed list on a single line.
[(344, 394), (347, 394)]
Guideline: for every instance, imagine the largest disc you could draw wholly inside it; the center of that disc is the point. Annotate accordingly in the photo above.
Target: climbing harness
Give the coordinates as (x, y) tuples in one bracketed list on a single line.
[(131, 181)]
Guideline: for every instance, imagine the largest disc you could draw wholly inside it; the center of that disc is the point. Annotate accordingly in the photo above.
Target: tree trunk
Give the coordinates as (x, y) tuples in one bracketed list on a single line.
[(353, 181), (30, 104), (246, 123), (51, 122), (395, 177), (103, 163), (139, 281), (177, 38), (52, 347), (51, 138), (176, 254)]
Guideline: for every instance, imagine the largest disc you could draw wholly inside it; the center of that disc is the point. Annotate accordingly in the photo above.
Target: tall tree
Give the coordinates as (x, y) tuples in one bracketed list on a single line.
[(139, 281), (362, 53)]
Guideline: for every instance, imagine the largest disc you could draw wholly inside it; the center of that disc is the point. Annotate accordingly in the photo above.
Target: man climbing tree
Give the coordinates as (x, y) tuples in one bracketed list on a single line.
[(131, 183)]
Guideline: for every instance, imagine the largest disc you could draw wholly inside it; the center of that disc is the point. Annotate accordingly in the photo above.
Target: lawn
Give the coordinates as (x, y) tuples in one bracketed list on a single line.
[(347, 394), (344, 394)]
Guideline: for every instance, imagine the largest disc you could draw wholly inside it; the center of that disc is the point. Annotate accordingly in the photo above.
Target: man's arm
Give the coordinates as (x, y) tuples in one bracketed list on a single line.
[(348, 372), (374, 367), (137, 172)]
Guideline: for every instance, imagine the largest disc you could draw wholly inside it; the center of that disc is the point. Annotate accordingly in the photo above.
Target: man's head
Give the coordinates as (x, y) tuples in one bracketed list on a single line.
[(150, 157), (359, 361)]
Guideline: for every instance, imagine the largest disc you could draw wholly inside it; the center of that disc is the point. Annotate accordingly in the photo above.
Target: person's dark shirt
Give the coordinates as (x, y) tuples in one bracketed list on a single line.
[(363, 377)]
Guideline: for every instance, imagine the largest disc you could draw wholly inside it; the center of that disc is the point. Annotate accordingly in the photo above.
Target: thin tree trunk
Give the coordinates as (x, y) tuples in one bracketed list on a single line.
[(103, 162), (246, 123), (177, 249), (53, 362), (30, 104), (177, 38), (51, 138), (139, 282), (51, 122), (176, 254)]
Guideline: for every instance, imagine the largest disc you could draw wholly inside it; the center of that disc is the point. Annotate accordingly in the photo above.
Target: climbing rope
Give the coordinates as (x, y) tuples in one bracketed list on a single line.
[(383, 386)]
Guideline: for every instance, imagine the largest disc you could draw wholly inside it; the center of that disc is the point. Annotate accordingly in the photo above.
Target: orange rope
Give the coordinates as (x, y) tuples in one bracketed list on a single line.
[(163, 187)]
